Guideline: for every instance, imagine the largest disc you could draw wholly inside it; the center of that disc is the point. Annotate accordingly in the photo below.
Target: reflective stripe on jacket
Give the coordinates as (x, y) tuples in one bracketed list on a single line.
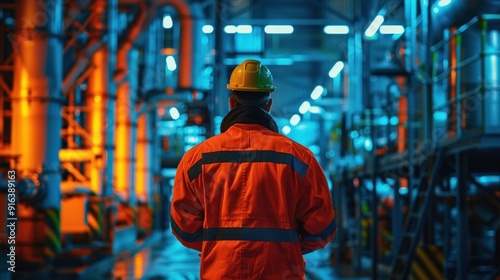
[(252, 201)]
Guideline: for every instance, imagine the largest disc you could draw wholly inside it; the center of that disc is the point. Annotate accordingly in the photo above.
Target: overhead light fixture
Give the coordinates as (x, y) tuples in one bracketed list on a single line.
[(295, 119), (336, 29), (392, 29), (317, 92), (304, 107), (443, 3), (230, 29), (167, 22), (244, 29), (286, 130), (374, 26), (174, 113), (207, 29), (171, 65), (315, 109), (278, 29), (335, 71)]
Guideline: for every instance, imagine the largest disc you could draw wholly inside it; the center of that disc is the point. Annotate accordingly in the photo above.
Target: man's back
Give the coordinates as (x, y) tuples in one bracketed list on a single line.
[(252, 201)]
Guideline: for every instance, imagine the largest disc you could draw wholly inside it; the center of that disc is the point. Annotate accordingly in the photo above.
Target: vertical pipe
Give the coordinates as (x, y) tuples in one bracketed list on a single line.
[(100, 97), (427, 87), (397, 216), (37, 95), (220, 71), (462, 239), (458, 88), (150, 78), (36, 104), (412, 42), (143, 168), (126, 124), (452, 81), (448, 271), (126, 119), (356, 48)]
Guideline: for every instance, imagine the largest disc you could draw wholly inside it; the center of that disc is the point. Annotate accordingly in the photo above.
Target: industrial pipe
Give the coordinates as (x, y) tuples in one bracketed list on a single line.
[(37, 93), (144, 152), (189, 42), (100, 97), (81, 64), (125, 114), (36, 120)]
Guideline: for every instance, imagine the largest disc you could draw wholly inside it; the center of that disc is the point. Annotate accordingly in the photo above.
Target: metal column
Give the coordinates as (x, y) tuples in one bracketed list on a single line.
[(36, 105), (144, 153), (126, 125), (100, 98), (462, 237)]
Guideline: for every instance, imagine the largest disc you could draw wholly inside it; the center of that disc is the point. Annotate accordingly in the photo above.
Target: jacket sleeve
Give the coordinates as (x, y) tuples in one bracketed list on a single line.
[(315, 214), (187, 213)]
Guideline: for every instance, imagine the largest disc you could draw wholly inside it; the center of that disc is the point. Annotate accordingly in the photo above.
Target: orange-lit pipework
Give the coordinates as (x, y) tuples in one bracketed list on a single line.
[(37, 93), (125, 111), (187, 34), (100, 99), (37, 122)]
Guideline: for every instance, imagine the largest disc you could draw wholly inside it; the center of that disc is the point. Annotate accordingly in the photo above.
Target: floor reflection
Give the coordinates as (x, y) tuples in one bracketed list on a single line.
[(168, 259)]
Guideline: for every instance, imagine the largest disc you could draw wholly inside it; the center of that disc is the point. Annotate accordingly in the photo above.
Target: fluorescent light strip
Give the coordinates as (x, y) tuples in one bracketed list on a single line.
[(304, 107), (336, 29), (241, 29), (392, 29), (207, 29), (335, 71), (286, 129), (244, 29), (167, 22), (174, 113), (294, 120), (171, 65), (443, 3), (230, 29), (278, 29), (317, 92), (374, 26)]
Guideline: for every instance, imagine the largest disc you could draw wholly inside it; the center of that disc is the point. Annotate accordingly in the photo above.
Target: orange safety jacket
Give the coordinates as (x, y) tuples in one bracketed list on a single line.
[(252, 201)]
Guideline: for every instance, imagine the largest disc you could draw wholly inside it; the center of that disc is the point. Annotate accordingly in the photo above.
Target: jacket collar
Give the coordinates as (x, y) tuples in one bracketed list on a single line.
[(250, 115)]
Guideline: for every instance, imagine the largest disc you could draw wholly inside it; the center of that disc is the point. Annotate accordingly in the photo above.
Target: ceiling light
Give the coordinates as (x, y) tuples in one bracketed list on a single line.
[(392, 29), (171, 65), (230, 29), (207, 29), (286, 129), (443, 3), (278, 29), (294, 120), (317, 92), (167, 22), (335, 71), (336, 29), (374, 26), (244, 29), (174, 113), (304, 107)]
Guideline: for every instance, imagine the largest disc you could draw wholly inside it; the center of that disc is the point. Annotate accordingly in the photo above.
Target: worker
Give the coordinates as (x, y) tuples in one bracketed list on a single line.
[(250, 199)]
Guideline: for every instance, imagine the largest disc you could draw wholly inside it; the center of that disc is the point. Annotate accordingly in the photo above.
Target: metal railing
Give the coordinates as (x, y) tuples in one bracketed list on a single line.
[(464, 104)]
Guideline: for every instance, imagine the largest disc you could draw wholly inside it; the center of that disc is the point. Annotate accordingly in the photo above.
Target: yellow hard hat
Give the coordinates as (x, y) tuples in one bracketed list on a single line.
[(251, 75)]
